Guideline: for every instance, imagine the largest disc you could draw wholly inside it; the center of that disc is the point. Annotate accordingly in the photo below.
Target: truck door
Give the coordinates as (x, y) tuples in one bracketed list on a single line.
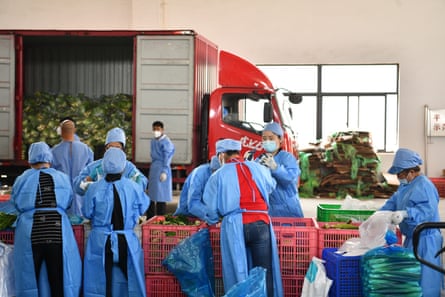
[(7, 73), (164, 92)]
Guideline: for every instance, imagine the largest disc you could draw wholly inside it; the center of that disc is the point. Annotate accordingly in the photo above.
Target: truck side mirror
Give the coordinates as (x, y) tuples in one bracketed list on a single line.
[(294, 98), (267, 112)]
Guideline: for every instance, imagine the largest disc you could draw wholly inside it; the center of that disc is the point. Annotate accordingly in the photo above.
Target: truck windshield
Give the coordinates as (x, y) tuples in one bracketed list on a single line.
[(244, 111)]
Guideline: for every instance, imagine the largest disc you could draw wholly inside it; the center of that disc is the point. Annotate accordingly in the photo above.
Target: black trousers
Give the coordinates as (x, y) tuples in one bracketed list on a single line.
[(156, 209), (123, 252), (52, 254)]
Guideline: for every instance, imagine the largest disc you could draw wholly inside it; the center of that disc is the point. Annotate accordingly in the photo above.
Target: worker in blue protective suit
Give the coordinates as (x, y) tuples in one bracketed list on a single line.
[(415, 202), (284, 200), (46, 256), (114, 262), (190, 200), (94, 171), (160, 184), (70, 157), (239, 193)]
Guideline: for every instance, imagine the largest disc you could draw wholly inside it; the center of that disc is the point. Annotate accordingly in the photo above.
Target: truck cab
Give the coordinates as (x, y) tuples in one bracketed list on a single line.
[(243, 104)]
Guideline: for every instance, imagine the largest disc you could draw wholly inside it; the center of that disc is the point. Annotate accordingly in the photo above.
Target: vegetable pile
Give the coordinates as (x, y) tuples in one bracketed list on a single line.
[(179, 221), (6, 220), (94, 117)]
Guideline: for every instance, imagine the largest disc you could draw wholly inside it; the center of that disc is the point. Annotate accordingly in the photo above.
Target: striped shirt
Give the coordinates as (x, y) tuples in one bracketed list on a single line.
[(47, 224)]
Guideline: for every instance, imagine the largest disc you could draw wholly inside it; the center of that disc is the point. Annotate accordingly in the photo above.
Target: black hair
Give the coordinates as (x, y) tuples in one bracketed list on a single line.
[(232, 152), (67, 118), (158, 124)]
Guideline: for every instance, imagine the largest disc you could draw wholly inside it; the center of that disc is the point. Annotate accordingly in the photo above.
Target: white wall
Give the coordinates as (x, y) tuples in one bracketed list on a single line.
[(408, 32)]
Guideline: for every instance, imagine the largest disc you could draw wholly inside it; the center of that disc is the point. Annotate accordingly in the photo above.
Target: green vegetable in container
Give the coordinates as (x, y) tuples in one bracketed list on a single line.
[(6, 220)]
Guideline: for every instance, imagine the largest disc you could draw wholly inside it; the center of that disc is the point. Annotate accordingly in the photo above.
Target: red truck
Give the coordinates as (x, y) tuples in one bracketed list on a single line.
[(201, 93)]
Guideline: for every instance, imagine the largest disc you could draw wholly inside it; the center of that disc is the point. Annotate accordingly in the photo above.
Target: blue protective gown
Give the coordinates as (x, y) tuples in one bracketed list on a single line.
[(284, 200), (23, 196), (222, 198), (96, 172), (190, 200), (420, 199), (162, 151), (71, 157), (98, 206)]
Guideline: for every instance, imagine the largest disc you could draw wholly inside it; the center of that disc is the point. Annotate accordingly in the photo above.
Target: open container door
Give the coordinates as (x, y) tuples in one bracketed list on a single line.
[(7, 97)]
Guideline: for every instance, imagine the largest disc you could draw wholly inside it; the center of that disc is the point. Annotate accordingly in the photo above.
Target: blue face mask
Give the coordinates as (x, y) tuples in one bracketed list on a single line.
[(269, 146)]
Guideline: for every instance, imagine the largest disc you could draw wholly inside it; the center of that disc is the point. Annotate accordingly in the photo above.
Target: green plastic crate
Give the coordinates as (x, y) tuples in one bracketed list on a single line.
[(333, 213)]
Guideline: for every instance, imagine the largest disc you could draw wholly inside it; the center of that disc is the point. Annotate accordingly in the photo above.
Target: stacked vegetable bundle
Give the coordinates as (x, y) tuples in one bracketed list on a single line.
[(94, 117)]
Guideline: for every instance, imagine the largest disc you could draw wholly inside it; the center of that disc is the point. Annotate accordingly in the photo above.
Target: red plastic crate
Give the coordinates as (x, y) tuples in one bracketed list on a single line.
[(292, 286), (439, 182), (215, 232), (333, 238), (162, 286), (5, 197), (297, 242), (158, 240), (7, 236), (79, 234), (344, 272)]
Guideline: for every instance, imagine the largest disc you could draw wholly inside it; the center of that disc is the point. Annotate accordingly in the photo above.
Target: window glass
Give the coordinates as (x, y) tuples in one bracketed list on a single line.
[(301, 79), (335, 115), (359, 78), (243, 112), (352, 97), (304, 121)]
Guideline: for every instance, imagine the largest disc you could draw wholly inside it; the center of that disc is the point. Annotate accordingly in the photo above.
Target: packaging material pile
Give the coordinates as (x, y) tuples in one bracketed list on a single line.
[(391, 270), (348, 164)]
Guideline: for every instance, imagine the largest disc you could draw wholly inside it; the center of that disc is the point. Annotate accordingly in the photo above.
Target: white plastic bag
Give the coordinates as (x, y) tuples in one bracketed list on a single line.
[(356, 204), (7, 288), (316, 283), (373, 230)]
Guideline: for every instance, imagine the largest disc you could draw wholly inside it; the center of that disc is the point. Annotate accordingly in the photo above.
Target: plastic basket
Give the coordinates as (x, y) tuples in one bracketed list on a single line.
[(292, 286), (439, 182), (79, 234), (297, 243), (158, 240), (5, 197), (333, 213), (215, 233), (344, 272), (333, 238), (162, 286), (7, 236)]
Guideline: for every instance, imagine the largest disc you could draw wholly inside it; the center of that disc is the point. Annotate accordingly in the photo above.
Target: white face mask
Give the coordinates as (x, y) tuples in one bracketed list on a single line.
[(59, 130), (157, 133), (403, 181)]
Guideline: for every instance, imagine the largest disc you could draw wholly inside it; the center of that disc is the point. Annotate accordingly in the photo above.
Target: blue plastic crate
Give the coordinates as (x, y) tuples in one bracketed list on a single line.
[(345, 273)]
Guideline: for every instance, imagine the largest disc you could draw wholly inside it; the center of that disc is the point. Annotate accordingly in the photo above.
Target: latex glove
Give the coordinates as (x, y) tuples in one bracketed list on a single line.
[(163, 177), (84, 185), (269, 161), (398, 216)]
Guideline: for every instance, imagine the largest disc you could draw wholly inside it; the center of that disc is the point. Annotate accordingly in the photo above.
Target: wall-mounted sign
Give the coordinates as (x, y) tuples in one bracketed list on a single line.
[(437, 123)]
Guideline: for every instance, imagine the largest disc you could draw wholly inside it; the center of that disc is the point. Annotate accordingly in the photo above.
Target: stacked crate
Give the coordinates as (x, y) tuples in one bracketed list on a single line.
[(297, 244), (7, 236), (331, 214), (157, 241)]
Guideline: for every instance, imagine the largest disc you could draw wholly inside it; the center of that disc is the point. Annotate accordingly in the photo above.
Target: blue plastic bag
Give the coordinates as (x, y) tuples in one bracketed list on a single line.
[(191, 261), (253, 286)]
